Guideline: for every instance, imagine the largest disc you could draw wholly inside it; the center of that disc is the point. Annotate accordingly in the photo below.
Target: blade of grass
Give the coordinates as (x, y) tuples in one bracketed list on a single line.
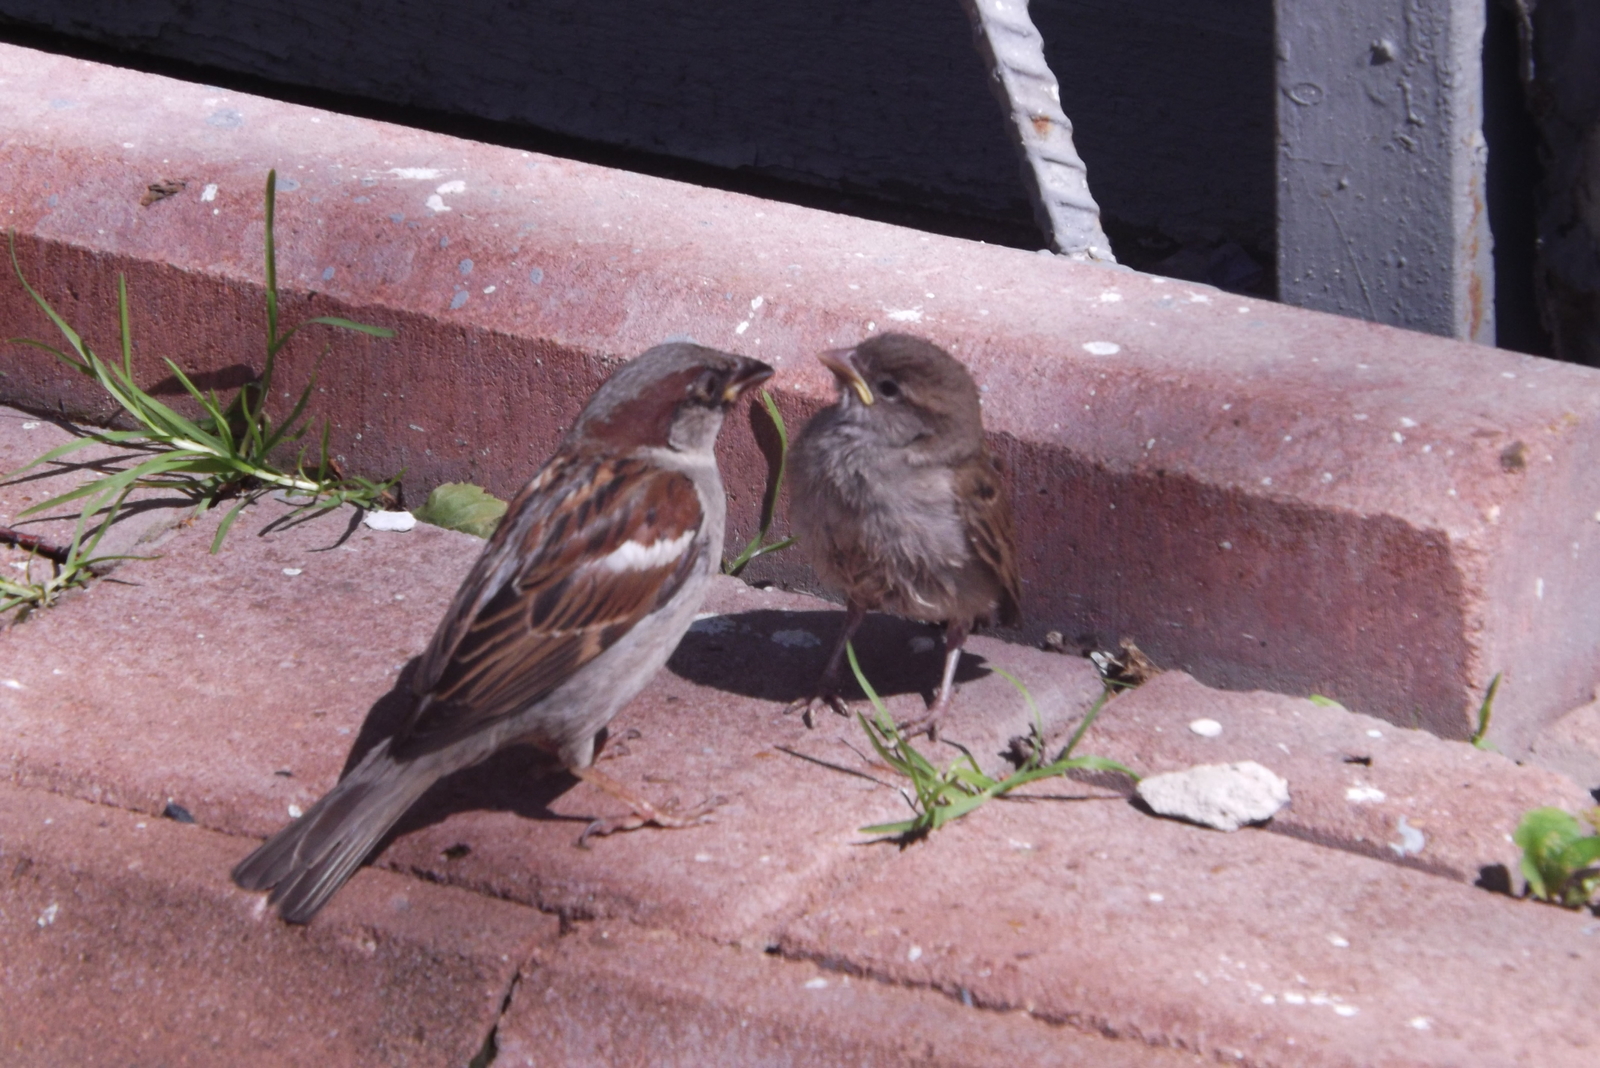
[(61, 324), (1485, 710), (343, 324), (227, 523), (124, 331), (951, 793), (769, 505)]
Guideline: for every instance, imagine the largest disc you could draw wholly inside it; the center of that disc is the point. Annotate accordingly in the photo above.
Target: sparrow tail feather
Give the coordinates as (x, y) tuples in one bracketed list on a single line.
[(307, 861)]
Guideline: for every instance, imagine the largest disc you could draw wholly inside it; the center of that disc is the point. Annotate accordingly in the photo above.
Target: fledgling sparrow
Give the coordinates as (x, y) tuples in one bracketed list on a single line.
[(899, 504), (592, 578)]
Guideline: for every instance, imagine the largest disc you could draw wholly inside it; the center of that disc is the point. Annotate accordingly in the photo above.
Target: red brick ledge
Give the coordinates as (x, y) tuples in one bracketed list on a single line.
[(1263, 496), (234, 686)]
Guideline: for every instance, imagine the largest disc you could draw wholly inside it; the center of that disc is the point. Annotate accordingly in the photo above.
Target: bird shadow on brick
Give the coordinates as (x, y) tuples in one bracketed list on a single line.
[(520, 779), (773, 655), (765, 654)]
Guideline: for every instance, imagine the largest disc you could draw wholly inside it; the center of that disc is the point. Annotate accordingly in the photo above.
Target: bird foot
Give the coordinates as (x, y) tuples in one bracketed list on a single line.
[(644, 813), (807, 707), (928, 724), (651, 816)]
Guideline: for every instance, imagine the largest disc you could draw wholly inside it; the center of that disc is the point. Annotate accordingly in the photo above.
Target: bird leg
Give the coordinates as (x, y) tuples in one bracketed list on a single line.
[(827, 691), (643, 811), (955, 635)]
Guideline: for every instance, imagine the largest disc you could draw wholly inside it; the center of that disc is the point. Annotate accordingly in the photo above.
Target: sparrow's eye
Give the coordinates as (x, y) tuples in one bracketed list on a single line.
[(704, 389), (888, 389)]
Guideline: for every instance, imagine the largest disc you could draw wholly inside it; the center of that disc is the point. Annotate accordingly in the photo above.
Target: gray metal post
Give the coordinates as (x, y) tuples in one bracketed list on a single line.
[(1381, 163), (1058, 181)]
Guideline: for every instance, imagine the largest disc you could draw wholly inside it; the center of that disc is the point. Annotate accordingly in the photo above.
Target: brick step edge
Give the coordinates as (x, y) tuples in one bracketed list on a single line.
[(124, 942)]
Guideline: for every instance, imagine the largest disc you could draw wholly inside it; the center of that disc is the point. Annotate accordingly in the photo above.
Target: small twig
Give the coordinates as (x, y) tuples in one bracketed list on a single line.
[(34, 544)]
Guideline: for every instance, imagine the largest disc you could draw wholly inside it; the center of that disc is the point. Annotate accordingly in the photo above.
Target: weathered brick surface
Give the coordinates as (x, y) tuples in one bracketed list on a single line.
[(1352, 778), (1267, 498), (1040, 905), (1245, 947), (237, 690), (1571, 745), (611, 995), (145, 519), (122, 942), (1264, 497), (198, 678)]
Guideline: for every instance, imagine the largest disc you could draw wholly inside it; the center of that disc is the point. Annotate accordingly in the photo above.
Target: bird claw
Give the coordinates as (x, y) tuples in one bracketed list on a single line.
[(650, 816), (807, 707), (927, 724)]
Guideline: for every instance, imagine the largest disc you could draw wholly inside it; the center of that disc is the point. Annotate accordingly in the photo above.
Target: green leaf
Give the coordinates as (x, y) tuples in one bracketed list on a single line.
[(226, 524), (1485, 710), (463, 506), (1555, 850), (351, 324), (1326, 702)]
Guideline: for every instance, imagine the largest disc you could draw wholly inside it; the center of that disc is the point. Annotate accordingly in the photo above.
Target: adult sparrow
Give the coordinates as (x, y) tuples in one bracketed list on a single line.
[(899, 504), (585, 589)]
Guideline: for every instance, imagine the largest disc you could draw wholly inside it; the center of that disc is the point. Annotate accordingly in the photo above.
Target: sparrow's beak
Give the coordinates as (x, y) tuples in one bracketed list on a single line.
[(750, 373), (842, 363)]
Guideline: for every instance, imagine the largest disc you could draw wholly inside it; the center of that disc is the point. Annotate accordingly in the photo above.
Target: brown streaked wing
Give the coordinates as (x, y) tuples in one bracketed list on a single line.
[(985, 509), (538, 605)]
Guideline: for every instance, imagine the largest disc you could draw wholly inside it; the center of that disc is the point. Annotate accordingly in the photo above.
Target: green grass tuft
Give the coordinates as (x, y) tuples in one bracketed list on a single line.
[(225, 453), (942, 795)]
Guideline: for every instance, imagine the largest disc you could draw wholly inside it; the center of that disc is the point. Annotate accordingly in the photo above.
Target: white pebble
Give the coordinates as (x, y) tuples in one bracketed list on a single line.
[(1206, 728), (1223, 796), (291, 571)]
